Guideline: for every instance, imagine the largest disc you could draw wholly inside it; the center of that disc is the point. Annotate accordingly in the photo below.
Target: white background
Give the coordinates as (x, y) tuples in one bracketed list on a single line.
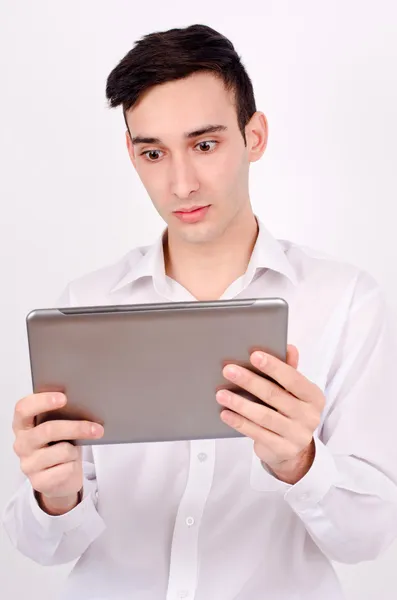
[(325, 74)]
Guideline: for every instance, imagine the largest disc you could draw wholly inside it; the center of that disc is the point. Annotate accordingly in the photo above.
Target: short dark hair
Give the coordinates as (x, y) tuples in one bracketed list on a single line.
[(175, 54)]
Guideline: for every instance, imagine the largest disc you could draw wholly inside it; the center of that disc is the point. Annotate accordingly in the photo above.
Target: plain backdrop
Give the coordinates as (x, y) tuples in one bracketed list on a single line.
[(325, 74)]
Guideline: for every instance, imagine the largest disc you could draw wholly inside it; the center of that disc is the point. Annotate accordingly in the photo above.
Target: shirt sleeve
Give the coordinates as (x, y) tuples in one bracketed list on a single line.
[(52, 540), (47, 539), (348, 499)]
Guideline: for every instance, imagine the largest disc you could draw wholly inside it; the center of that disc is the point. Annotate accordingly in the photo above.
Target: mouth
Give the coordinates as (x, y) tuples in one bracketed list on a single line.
[(192, 214), (190, 209)]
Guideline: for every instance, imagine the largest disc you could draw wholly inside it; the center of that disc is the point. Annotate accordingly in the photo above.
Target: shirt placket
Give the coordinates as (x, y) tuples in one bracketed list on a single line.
[(184, 562)]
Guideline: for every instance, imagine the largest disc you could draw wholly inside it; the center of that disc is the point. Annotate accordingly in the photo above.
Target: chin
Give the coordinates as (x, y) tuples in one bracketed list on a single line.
[(207, 237), (201, 234)]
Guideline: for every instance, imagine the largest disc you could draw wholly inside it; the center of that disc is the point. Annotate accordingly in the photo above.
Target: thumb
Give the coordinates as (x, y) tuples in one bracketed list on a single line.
[(292, 356)]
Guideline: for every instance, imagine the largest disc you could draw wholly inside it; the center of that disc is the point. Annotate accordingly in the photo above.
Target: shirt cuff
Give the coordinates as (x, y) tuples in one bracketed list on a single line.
[(310, 490), (70, 520)]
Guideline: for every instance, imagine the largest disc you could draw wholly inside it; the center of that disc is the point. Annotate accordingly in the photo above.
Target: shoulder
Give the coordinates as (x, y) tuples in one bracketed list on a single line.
[(94, 287), (323, 272)]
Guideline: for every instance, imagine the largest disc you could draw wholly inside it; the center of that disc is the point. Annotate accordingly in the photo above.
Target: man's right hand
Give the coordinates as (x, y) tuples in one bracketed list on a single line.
[(55, 471)]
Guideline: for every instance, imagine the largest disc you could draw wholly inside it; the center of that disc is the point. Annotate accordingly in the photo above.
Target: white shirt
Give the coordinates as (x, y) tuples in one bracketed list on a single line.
[(204, 520)]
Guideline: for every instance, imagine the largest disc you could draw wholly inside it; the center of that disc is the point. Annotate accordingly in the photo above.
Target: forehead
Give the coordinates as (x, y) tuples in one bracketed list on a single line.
[(172, 108)]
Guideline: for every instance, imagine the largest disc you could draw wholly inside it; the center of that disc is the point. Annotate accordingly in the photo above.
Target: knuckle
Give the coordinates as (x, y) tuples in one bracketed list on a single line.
[(47, 429), (67, 452), (274, 392), (24, 465), (42, 481), (267, 418), (54, 478), (293, 408), (21, 444), (17, 446), (20, 408), (322, 402), (312, 419), (319, 397), (61, 474), (36, 481), (291, 432), (65, 472), (295, 380), (314, 422)]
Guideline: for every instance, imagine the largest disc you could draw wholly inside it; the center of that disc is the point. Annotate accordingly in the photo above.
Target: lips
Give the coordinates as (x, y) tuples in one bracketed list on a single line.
[(193, 214), (189, 210)]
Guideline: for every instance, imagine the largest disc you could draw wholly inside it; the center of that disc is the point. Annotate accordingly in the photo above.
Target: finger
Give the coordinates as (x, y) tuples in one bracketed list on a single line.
[(55, 431), (27, 409), (53, 478), (288, 377), (292, 356), (256, 413), (262, 388), (50, 456), (278, 447)]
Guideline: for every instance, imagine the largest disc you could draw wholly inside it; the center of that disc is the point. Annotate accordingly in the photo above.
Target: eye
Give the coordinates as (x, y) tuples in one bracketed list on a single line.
[(152, 155), (207, 146)]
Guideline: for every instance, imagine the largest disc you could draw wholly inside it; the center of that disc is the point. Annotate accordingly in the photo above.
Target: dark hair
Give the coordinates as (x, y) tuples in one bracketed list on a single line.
[(175, 54)]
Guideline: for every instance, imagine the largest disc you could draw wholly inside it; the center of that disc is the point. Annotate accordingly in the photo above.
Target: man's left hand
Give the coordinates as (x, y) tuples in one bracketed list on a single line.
[(283, 438)]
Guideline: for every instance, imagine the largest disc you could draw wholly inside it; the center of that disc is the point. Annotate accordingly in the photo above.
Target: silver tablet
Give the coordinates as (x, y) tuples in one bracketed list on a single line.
[(150, 372)]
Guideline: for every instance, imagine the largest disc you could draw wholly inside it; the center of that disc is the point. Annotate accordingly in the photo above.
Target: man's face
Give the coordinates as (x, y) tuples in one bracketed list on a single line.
[(184, 167)]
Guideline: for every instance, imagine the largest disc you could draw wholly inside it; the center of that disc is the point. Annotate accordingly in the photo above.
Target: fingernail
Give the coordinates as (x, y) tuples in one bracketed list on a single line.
[(222, 395), (231, 372), (96, 430), (58, 399), (227, 417), (260, 358)]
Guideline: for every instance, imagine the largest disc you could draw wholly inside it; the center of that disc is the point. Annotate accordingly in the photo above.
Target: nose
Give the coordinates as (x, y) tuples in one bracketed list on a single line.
[(183, 177)]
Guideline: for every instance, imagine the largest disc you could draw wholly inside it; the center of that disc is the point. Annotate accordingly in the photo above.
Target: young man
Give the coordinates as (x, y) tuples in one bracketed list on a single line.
[(260, 516)]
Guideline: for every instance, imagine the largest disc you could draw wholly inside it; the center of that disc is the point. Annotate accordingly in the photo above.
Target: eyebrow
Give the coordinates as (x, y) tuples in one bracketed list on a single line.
[(139, 139)]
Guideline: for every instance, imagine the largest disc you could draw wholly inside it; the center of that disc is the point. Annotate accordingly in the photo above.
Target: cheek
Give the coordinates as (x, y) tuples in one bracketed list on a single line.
[(219, 171), (223, 173), (154, 179)]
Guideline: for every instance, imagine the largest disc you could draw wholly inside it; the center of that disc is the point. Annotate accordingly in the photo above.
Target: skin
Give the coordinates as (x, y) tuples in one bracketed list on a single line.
[(55, 471), (208, 256), (181, 171)]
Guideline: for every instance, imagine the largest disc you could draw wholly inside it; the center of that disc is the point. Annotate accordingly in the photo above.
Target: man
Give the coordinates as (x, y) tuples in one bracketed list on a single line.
[(261, 516)]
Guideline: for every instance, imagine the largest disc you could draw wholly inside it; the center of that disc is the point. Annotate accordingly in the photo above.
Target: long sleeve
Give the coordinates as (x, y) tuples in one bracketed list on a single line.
[(50, 540), (348, 499)]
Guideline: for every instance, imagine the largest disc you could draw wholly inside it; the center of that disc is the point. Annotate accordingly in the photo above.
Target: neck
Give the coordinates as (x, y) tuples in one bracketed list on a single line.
[(207, 270)]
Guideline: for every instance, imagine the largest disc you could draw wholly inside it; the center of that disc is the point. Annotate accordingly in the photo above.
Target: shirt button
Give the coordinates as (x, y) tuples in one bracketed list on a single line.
[(305, 497), (202, 457), (189, 521), (183, 594)]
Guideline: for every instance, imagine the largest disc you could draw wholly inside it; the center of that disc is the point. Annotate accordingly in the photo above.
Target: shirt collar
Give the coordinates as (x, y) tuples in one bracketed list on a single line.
[(268, 253), (151, 264)]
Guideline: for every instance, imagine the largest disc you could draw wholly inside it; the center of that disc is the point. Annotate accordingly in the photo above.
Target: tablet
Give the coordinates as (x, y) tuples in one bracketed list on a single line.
[(150, 372)]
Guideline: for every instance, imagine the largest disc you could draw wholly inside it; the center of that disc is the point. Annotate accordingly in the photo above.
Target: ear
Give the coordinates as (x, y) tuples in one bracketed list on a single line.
[(256, 132), (130, 148)]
